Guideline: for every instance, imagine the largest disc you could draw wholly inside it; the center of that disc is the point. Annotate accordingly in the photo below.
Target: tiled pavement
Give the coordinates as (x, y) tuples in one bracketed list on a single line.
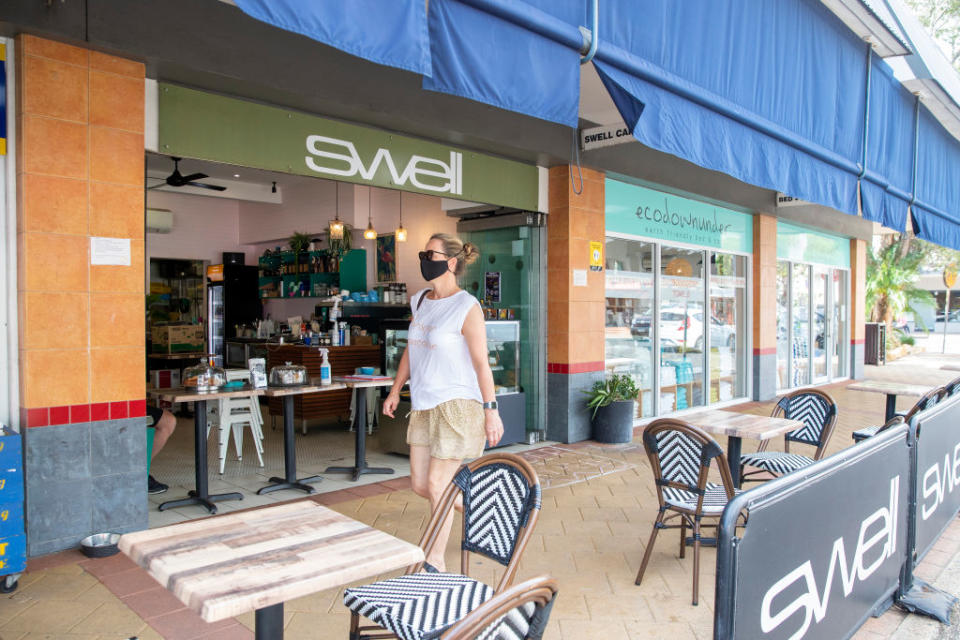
[(598, 508)]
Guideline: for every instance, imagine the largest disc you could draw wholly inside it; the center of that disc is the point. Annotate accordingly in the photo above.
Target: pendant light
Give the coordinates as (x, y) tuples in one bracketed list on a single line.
[(370, 233), (401, 232), (336, 227)]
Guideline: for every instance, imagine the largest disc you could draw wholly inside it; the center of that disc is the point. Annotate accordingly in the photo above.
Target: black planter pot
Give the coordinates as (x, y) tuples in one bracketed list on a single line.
[(613, 423)]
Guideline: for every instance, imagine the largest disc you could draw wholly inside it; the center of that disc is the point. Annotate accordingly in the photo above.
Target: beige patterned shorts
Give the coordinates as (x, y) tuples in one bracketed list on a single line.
[(454, 430)]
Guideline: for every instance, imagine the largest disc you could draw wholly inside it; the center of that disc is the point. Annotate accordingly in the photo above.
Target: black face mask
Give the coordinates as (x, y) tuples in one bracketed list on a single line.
[(432, 269)]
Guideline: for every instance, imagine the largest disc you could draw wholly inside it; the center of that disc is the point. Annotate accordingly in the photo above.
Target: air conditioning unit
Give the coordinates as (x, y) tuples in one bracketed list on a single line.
[(159, 220)]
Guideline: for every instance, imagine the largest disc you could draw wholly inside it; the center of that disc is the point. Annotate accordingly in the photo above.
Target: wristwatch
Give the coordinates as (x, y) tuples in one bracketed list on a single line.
[(490, 405)]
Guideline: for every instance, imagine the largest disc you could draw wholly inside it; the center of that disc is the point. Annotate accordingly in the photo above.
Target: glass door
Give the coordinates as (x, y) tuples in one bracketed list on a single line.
[(800, 326), (682, 328), (822, 340), (838, 323), (727, 335), (783, 325)]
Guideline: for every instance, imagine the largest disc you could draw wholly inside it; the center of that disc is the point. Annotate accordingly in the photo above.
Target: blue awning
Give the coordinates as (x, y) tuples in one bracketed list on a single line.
[(485, 57), (936, 212), (388, 32)]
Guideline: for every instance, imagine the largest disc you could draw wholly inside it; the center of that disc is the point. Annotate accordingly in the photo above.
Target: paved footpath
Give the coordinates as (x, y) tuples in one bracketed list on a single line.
[(598, 509)]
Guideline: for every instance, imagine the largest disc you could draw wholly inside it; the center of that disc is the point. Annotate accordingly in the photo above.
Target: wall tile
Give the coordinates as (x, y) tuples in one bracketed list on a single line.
[(558, 316), (116, 101), (54, 89), (53, 204), (32, 45), (558, 253), (116, 211), (113, 64), (55, 377), (118, 446), (117, 374), (54, 320), (558, 347), (117, 279), (57, 453), (116, 320), (51, 262), (116, 156), (56, 147), (57, 510), (120, 501), (586, 346)]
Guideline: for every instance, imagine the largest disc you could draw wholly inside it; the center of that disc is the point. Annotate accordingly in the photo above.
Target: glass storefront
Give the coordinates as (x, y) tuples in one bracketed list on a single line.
[(677, 316), (812, 310)]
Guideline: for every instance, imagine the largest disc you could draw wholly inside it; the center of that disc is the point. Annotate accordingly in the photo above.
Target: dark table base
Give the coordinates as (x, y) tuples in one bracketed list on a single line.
[(360, 467), (734, 446), (289, 481), (207, 501), (268, 622)]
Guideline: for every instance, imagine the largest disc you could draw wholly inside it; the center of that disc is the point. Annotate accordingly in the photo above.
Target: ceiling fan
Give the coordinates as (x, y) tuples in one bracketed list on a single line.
[(176, 179)]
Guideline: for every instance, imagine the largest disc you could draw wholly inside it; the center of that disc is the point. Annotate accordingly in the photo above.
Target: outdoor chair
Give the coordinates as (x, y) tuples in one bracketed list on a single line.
[(519, 613), (680, 456), (501, 503), (951, 388), (926, 401), (818, 413)]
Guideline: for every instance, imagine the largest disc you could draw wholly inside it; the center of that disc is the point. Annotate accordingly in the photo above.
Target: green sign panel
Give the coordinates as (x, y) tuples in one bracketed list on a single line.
[(196, 124), (802, 245), (640, 211)]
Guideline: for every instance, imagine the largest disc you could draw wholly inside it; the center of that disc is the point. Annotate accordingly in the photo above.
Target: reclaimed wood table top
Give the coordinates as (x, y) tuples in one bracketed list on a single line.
[(277, 392), (225, 566), (182, 394), (740, 425), (359, 382), (890, 388)]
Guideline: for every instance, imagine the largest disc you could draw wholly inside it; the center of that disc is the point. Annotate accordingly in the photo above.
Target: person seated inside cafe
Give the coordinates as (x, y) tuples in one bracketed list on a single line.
[(163, 423)]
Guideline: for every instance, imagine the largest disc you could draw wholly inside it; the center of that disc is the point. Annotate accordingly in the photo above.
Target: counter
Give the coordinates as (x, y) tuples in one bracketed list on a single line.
[(327, 404)]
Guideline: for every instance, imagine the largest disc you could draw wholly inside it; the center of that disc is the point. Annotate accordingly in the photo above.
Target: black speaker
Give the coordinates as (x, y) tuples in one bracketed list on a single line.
[(230, 257)]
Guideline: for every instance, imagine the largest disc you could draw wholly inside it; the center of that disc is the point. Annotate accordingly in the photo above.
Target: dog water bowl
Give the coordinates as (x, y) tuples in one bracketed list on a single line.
[(100, 545)]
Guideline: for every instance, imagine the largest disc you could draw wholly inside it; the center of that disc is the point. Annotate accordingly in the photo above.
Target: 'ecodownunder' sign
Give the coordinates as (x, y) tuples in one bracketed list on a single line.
[(196, 124), (639, 211)]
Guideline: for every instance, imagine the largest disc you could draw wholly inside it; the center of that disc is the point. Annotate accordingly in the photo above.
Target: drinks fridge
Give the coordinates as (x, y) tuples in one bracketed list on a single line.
[(231, 302)]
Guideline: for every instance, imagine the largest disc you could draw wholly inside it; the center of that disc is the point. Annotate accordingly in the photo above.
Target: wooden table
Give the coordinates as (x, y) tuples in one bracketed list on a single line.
[(891, 390), (289, 481), (737, 426), (200, 495), (225, 566), (360, 467)]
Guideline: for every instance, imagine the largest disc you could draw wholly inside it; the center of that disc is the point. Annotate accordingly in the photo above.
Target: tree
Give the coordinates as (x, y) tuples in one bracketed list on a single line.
[(891, 290), (942, 20)]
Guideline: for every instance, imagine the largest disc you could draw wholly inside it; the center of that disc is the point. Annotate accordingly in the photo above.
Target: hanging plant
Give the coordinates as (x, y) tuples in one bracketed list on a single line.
[(340, 246)]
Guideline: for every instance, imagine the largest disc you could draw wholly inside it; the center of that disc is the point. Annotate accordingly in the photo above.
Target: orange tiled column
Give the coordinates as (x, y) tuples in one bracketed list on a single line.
[(575, 323), (764, 307), (79, 160), (858, 301)]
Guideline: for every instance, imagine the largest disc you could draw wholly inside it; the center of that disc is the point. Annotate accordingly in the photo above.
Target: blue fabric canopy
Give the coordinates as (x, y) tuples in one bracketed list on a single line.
[(768, 92), (388, 32), (484, 57), (936, 212), (888, 182)]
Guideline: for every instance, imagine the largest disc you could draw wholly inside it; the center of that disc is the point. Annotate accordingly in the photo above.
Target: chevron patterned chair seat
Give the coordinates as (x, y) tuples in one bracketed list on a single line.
[(519, 613), (501, 502), (926, 401), (818, 413), (681, 456)]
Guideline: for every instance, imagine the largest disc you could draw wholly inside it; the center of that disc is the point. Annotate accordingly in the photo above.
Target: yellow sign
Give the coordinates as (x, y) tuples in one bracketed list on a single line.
[(596, 256), (950, 275)]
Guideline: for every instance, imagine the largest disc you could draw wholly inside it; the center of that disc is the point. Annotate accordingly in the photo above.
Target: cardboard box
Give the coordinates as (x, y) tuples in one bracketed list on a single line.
[(177, 338)]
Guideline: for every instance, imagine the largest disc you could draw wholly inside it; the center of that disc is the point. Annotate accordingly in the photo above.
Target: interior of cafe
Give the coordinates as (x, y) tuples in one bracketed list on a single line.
[(249, 268)]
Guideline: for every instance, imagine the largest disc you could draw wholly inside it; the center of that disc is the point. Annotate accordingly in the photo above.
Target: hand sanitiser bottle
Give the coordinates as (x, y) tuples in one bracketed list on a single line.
[(325, 377)]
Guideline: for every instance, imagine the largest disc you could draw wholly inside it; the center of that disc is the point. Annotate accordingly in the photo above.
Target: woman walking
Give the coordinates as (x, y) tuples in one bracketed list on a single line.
[(451, 387)]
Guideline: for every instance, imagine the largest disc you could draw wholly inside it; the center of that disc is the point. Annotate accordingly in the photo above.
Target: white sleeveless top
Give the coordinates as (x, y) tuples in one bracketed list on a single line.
[(440, 364)]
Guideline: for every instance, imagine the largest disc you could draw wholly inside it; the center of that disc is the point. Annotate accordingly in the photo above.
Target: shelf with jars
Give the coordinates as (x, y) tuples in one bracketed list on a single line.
[(310, 274)]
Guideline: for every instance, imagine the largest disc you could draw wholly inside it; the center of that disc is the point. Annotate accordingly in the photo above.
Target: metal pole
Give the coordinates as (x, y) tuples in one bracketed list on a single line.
[(946, 319)]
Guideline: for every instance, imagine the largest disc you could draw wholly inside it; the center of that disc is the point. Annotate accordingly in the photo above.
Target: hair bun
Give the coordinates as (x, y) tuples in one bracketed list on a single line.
[(470, 252)]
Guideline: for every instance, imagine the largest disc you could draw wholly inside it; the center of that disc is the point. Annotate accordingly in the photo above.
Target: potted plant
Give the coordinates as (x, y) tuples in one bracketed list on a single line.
[(613, 404)]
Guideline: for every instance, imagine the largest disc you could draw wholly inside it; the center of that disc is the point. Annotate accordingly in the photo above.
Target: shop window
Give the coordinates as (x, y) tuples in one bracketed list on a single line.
[(629, 315), (683, 328), (783, 325), (728, 327), (800, 333)]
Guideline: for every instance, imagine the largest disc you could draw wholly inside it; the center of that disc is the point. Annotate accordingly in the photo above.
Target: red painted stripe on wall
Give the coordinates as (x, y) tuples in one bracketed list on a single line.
[(857, 341), (765, 352), (581, 367), (73, 414)]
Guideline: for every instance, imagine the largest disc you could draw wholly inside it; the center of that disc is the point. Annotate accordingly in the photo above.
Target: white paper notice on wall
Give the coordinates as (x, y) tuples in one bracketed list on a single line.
[(579, 277), (110, 251)]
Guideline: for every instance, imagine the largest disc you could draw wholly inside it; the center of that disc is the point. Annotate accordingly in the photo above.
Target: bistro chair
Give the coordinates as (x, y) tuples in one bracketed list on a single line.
[(519, 613), (501, 503), (818, 413), (926, 401), (680, 456), (951, 388)]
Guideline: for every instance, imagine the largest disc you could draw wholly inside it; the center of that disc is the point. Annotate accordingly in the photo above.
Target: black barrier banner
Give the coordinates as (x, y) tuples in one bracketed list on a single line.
[(938, 471), (822, 548)]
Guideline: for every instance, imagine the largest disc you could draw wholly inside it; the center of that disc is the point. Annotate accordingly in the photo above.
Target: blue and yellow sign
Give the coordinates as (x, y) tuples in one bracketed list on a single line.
[(3, 99)]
